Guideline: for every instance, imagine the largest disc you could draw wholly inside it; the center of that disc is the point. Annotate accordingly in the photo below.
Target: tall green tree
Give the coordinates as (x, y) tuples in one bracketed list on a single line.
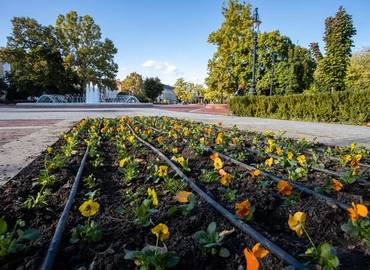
[(315, 51), (153, 88), (83, 51), (183, 90), (358, 72), (36, 63), (339, 31), (229, 66), (133, 84)]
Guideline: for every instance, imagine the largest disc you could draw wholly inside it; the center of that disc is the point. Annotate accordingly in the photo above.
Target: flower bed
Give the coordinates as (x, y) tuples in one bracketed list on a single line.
[(128, 190)]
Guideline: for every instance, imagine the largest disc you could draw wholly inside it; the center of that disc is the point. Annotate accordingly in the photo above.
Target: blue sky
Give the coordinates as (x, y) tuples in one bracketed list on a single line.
[(168, 38)]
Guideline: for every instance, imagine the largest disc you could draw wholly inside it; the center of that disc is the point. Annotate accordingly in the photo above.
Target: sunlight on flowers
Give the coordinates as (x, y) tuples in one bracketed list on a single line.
[(296, 222), (89, 208), (162, 171), (214, 156), (123, 161), (336, 185), (301, 159), (357, 210), (253, 256), (153, 194), (217, 164), (255, 173), (269, 162), (161, 230), (226, 179)]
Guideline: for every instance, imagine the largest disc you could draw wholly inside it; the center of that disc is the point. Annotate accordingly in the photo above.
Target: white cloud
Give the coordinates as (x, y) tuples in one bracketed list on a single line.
[(163, 67)]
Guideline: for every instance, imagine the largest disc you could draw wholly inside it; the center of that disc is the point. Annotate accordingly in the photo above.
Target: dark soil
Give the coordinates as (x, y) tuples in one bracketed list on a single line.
[(120, 233)]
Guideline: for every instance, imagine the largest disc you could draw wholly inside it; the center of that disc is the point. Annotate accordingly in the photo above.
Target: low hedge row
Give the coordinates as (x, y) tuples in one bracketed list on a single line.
[(350, 107)]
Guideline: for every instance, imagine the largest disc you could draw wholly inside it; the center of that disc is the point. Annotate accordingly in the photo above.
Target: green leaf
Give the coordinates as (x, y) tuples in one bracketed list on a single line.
[(191, 198), (3, 226), (173, 260), (122, 211), (31, 234), (199, 235), (350, 229), (210, 245), (172, 210), (324, 249), (224, 252), (130, 256), (211, 228)]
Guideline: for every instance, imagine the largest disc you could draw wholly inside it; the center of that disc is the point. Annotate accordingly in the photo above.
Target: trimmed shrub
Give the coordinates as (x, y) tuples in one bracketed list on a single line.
[(347, 107)]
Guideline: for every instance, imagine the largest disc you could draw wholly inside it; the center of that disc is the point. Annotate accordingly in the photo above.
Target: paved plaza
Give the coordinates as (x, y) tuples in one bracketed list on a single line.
[(26, 132)]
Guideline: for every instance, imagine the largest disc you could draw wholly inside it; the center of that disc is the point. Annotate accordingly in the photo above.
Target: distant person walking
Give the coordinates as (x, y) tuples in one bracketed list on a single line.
[(240, 91)]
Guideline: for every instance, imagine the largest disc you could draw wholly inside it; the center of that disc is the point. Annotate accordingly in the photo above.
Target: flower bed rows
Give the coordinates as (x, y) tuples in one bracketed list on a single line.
[(126, 202)]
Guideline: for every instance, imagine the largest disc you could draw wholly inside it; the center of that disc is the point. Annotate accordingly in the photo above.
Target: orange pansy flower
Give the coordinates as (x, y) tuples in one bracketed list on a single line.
[(337, 185), (355, 171), (243, 208), (284, 188), (255, 173), (354, 162), (253, 256), (214, 156), (296, 222), (220, 124), (357, 210), (222, 172)]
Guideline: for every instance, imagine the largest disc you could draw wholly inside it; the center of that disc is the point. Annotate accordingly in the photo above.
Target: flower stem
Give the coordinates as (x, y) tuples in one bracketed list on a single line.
[(309, 238), (262, 266), (156, 246)]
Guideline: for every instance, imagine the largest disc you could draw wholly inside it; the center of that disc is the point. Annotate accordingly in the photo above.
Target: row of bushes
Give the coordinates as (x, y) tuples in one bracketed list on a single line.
[(349, 107)]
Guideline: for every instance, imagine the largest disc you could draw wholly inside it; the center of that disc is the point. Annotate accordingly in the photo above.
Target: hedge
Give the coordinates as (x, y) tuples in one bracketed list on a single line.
[(347, 107)]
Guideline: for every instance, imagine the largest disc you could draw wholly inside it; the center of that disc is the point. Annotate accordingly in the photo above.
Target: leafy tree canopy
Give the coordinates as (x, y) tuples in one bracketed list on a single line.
[(83, 51), (358, 72), (133, 84), (153, 88), (36, 64)]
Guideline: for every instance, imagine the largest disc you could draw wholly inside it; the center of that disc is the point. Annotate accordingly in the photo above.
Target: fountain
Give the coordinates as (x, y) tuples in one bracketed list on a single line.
[(92, 94), (93, 98)]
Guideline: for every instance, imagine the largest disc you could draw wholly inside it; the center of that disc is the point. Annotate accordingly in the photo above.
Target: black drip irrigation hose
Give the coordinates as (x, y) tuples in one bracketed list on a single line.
[(55, 242), (274, 249), (335, 158), (362, 181), (277, 179)]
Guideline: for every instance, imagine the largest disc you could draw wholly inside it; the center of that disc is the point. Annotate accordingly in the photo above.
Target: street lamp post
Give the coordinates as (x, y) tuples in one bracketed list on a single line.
[(272, 73), (255, 24)]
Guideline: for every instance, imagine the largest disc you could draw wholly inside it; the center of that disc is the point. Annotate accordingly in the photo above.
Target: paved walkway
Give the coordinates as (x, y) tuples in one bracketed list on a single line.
[(25, 133)]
